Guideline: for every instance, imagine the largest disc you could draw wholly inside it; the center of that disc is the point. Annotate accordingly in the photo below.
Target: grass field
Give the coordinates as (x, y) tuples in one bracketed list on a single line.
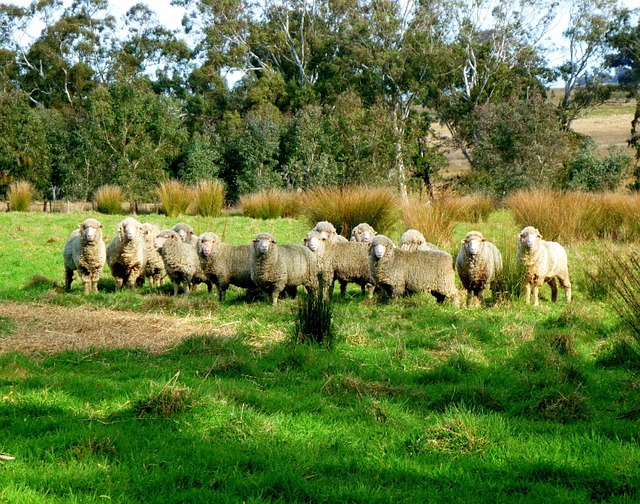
[(150, 398)]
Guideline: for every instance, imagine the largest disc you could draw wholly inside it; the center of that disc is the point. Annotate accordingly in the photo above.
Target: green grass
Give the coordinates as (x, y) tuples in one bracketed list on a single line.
[(415, 402)]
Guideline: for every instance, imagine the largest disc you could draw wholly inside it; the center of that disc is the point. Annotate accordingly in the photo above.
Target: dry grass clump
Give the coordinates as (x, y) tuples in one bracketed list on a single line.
[(209, 198), (271, 204), (168, 400), (20, 195), (108, 199), (346, 207), (577, 216), (175, 197)]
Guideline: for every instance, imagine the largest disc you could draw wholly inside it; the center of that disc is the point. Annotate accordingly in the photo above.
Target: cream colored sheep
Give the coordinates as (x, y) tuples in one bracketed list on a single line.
[(478, 263), (127, 254), (85, 252), (412, 240), (363, 232)]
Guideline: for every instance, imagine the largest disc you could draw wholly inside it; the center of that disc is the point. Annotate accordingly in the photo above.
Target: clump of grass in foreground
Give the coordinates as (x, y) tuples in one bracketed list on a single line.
[(175, 197), (168, 400), (20, 196), (271, 204), (209, 198), (313, 322), (108, 199), (346, 207)]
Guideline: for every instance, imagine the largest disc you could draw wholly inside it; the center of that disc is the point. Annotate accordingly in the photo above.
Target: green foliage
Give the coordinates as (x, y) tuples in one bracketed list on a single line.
[(209, 198), (314, 321), (175, 197), (346, 207), (588, 172), (108, 199), (271, 204), (20, 196), (204, 158)]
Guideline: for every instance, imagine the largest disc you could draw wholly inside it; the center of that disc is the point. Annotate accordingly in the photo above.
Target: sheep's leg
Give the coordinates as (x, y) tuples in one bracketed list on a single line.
[(566, 285), (176, 286), (536, 290), (87, 284), (554, 289), (187, 287), (222, 292), (68, 279), (343, 288), (469, 298), (527, 293), (370, 288), (481, 301), (275, 294)]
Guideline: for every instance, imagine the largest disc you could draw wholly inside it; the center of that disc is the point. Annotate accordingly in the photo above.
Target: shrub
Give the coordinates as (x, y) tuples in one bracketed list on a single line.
[(271, 204), (20, 196), (108, 199), (588, 172), (209, 198), (314, 321), (346, 207), (175, 197)]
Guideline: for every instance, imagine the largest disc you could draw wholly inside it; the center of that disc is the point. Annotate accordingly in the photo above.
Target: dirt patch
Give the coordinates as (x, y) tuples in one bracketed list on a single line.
[(43, 328)]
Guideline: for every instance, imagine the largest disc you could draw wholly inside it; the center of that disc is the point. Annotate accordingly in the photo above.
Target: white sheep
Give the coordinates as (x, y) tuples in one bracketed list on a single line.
[(412, 240), (127, 254), (85, 252), (154, 270), (180, 259), (479, 264), (276, 268), (328, 231), (186, 233), (398, 272), (542, 261), (223, 264), (347, 262), (363, 232)]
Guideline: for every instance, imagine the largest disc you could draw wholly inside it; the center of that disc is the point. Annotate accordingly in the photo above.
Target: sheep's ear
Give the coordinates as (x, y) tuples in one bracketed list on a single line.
[(80, 225), (463, 241), (254, 240)]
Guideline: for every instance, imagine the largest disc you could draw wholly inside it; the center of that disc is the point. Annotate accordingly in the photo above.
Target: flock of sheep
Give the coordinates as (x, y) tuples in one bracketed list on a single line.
[(372, 261)]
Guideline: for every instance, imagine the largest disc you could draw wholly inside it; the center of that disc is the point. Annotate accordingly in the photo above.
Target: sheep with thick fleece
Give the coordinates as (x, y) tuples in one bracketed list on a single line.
[(398, 272), (542, 261), (223, 264), (478, 263), (363, 232), (276, 268), (412, 240), (154, 270), (328, 231), (180, 259), (85, 252), (186, 233), (127, 254), (347, 262)]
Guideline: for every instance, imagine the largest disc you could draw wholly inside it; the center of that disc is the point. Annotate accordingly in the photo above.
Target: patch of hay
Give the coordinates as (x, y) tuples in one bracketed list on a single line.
[(42, 328)]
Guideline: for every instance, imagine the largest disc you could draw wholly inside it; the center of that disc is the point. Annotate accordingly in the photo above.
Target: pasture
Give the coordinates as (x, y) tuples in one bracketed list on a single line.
[(147, 397)]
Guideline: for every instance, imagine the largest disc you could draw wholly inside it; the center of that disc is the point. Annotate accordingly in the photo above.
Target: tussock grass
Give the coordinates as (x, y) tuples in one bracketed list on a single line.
[(108, 199), (165, 401), (20, 195), (573, 217), (346, 207), (209, 198), (271, 204), (175, 197), (314, 321)]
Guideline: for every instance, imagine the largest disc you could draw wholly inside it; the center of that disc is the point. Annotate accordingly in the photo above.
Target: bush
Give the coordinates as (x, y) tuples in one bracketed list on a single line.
[(20, 196), (209, 198), (588, 172), (271, 204), (314, 321), (175, 197), (108, 199), (346, 207)]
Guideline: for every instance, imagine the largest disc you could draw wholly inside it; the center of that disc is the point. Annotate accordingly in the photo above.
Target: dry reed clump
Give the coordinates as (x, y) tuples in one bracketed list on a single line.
[(577, 216), (271, 204), (346, 207), (20, 195), (175, 197), (209, 198), (108, 199)]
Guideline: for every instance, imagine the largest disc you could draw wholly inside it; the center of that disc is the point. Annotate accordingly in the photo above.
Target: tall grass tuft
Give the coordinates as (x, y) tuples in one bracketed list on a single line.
[(346, 207), (168, 400), (175, 197), (108, 199), (314, 321), (577, 216), (20, 196), (209, 198), (271, 204)]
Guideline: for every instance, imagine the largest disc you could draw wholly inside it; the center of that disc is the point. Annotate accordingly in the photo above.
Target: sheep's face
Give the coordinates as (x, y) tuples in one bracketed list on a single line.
[(326, 229), (208, 243), (529, 237), (314, 240), (362, 234), (162, 238), (129, 229), (90, 230), (379, 250), (473, 244), (262, 244)]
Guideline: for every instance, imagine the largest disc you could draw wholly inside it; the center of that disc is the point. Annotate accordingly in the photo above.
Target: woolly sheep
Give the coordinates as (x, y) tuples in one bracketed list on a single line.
[(127, 254), (186, 233), (478, 263), (363, 232), (85, 252), (328, 231), (276, 268), (223, 264), (180, 259), (412, 240), (542, 261), (347, 262), (398, 272), (154, 271)]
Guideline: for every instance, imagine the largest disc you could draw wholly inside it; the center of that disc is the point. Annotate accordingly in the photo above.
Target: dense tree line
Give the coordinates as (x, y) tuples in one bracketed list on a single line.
[(331, 92)]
